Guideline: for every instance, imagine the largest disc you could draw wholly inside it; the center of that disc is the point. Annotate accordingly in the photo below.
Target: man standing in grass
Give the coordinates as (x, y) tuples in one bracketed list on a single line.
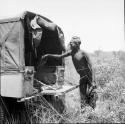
[(83, 67)]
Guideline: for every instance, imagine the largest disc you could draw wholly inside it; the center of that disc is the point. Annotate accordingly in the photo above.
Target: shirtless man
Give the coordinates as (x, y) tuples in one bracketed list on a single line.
[(81, 63)]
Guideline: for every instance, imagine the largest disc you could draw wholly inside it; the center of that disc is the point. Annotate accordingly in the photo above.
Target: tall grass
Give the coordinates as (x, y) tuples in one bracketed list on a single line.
[(109, 70), (110, 80)]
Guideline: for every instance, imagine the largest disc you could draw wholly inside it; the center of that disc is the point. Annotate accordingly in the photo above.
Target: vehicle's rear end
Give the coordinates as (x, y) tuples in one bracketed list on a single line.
[(12, 58), (19, 76), (18, 58)]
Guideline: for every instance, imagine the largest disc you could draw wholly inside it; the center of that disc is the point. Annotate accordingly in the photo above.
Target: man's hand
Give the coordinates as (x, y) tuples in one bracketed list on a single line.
[(43, 59)]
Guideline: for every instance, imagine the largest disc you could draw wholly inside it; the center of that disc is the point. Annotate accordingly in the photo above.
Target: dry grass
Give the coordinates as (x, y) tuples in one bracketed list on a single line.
[(109, 69)]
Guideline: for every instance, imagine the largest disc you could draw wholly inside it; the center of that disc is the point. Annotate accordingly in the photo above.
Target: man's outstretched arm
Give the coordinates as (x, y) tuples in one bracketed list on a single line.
[(57, 56)]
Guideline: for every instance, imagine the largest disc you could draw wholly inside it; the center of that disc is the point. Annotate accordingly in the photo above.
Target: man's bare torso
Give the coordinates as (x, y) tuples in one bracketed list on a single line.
[(80, 60)]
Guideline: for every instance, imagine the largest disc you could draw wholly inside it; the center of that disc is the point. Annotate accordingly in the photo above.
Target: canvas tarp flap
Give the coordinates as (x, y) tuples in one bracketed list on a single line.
[(11, 46)]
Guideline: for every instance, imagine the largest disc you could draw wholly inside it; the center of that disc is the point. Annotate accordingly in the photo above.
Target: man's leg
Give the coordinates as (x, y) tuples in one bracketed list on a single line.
[(83, 89)]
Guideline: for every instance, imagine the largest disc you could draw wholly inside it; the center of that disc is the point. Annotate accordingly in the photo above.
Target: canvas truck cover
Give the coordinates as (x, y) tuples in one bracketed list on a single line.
[(11, 45), (14, 42)]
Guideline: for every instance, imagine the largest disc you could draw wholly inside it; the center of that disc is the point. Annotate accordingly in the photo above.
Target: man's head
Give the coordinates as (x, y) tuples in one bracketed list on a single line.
[(75, 42)]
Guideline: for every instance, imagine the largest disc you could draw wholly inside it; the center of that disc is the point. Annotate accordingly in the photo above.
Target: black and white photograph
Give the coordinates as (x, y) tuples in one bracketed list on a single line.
[(62, 61)]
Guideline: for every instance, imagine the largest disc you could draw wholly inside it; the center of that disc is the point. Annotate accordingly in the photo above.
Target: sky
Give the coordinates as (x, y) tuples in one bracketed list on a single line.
[(99, 23)]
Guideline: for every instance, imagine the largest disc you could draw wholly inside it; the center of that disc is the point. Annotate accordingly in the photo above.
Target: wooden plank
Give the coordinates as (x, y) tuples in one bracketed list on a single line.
[(58, 92), (64, 89)]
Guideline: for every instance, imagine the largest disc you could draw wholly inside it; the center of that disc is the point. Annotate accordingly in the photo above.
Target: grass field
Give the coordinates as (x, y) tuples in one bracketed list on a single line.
[(109, 70)]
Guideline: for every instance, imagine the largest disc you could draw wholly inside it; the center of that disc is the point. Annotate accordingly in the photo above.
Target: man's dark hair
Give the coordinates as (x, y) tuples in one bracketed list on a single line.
[(75, 39)]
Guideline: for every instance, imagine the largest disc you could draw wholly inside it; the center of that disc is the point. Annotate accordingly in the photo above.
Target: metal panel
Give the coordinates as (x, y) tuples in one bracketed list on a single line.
[(17, 85), (12, 85)]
